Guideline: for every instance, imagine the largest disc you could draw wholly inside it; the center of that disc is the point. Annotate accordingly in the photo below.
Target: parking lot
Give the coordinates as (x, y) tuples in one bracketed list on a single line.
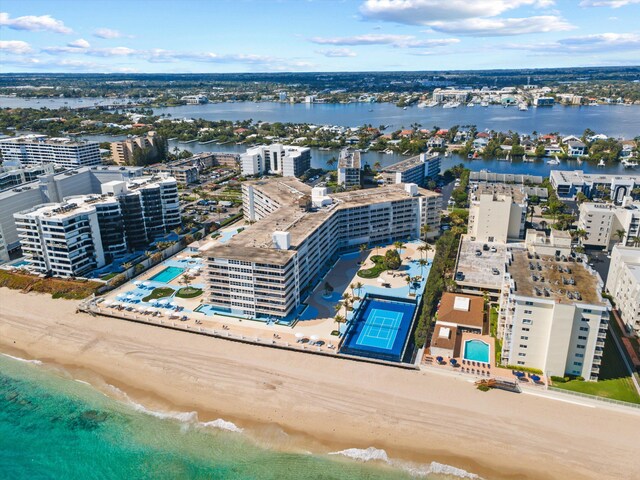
[(484, 270)]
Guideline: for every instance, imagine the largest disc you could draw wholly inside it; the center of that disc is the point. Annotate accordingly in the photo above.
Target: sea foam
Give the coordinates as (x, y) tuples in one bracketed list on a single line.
[(377, 454), (35, 362), (186, 418)]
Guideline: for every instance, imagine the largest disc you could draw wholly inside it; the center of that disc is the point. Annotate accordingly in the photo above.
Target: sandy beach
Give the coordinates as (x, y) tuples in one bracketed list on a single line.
[(325, 404)]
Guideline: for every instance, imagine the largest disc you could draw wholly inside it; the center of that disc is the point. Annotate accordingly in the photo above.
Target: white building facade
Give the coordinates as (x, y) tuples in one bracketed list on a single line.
[(61, 152), (497, 212), (623, 284), (285, 160), (603, 221)]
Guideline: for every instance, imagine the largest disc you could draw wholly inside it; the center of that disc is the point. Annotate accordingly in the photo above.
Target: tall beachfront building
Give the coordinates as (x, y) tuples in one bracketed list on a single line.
[(603, 221), (552, 315), (125, 151), (84, 232), (285, 160), (416, 169), (38, 149), (268, 269), (623, 283), (497, 212)]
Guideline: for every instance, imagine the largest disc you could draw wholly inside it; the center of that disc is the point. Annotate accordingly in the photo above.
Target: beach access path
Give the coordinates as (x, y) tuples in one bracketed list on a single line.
[(322, 403)]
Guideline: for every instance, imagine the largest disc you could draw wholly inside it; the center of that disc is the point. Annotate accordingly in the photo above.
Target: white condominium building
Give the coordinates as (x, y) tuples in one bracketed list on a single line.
[(603, 222), (623, 283), (61, 152), (497, 212), (416, 169), (552, 315), (61, 239), (349, 168), (270, 267), (568, 183), (4, 251), (86, 231), (285, 160)]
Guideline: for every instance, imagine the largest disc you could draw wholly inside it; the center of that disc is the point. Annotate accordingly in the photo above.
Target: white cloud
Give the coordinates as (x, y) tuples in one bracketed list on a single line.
[(112, 52), (108, 33), (17, 47), (497, 27), (607, 3), (337, 52), (79, 43), (601, 42), (424, 12), (400, 41), (34, 23)]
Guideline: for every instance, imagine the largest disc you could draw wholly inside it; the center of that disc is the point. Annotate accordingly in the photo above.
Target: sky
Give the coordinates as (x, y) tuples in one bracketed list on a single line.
[(217, 36)]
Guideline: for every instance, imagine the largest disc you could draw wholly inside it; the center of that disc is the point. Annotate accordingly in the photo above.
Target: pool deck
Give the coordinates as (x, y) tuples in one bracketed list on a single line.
[(312, 330)]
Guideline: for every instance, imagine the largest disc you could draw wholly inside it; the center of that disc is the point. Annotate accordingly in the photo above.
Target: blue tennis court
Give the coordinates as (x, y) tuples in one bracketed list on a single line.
[(380, 328)]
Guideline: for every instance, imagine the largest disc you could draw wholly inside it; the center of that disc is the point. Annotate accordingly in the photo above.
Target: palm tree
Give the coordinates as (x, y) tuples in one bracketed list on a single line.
[(339, 319), (359, 286), (363, 247), (398, 246), (424, 230), (409, 282), (580, 235), (352, 287), (619, 234), (377, 166), (337, 307), (332, 161), (423, 263), (635, 241)]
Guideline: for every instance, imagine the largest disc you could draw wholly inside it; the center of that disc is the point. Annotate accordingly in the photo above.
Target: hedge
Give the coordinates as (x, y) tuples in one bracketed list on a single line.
[(57, 287)]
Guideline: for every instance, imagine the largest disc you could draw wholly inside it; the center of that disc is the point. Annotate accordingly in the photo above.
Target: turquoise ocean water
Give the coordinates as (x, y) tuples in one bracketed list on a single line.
[(52, 427)]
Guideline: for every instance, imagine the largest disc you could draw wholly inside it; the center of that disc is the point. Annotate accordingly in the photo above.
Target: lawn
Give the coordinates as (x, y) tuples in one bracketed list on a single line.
[(375, 271), (189, 292), (615, 381), (158, 293), (493, 331)]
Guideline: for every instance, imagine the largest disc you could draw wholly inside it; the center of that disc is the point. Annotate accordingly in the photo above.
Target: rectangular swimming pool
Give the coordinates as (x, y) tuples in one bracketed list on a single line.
[(166, 275), (380, 328), (476, 350)]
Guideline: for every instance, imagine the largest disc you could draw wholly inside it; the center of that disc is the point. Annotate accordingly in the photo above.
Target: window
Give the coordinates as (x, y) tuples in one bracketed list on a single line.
[(524, 338), (584, 329), (520, 362), (525, 329), (522, 354), (580, 346), (527, 321), (524, 346), (580, 355), (577, 364), (528, 303), (581, 337), (528, 312)]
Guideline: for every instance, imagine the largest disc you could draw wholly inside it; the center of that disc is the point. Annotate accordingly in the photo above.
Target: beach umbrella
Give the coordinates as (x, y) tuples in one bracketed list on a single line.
[(137, 282), (453, 361), (299, 335), (519, 374), (314, 338), (439, 359), (121, 295), (146, 284), (107, 303), (164, 301), (535, 378)]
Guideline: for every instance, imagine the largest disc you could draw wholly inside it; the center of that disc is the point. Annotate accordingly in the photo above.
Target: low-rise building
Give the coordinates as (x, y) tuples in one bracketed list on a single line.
[(606, 223), (195, 99), (125, 152), (268, 269), (623, 284), (497, 212), (552, 315), (556, 244), (568, 183), (285, 160), (418, 169), (39, 149), (576, 148), (456, 315), (349, 168)]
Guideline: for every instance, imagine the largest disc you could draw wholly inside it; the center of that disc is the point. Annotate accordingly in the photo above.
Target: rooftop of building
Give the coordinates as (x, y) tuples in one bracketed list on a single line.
[(43, 140), (579, 177), (406, 164), (444, 337), (504, 177), (599, 206), (258, 149), (498, 189), (349, 159), (478, 270), (564, 279), (463, 310), (60, 211), (256, 241)]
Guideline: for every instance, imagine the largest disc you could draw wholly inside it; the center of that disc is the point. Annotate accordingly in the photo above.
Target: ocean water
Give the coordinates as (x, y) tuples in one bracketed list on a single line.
[(52, 427)]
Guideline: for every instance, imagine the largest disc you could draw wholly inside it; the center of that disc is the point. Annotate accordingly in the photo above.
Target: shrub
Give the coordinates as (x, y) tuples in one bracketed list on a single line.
[(556, 379), (375, 271), (537, 371), (392, 260), (189, 292), (484, 388), (57, 287), (158, 293)]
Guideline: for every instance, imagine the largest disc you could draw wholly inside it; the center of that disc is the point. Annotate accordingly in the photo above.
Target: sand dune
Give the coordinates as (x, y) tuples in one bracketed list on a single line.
[(326, 404)]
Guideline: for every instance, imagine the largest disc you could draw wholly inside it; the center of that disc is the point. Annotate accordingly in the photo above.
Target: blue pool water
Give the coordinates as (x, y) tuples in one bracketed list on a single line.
[(380, 328), (476, 350), (166, 275)]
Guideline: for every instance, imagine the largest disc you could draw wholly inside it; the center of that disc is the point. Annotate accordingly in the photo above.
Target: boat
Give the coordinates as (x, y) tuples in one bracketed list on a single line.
[(523, 107), (432, 104), (447, 154), (555, 161), (484, 104), (470, 156), (471, 104), (388, 151), (404, 108), (594, 104), (601, 163), (451, 105), (422, 105), (528, 160), (629, 163)]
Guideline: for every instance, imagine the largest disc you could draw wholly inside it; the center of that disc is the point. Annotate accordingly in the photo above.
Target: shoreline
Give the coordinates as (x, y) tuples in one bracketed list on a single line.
[(414, 416)]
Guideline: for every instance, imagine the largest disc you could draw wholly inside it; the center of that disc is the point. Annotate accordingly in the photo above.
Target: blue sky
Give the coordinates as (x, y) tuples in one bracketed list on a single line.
[(322, 35)]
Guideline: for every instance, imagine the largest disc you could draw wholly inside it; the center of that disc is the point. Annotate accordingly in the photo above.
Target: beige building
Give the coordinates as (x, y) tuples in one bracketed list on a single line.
[(497, 212), (601, 222), (623, 283), (552, 315), (557, 243), (456, 315), (123, 152), (268, 269)]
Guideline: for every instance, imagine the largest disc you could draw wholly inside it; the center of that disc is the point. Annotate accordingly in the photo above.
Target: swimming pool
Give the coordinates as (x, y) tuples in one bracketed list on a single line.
[(476, 350), (166, 275), (380, 328)]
